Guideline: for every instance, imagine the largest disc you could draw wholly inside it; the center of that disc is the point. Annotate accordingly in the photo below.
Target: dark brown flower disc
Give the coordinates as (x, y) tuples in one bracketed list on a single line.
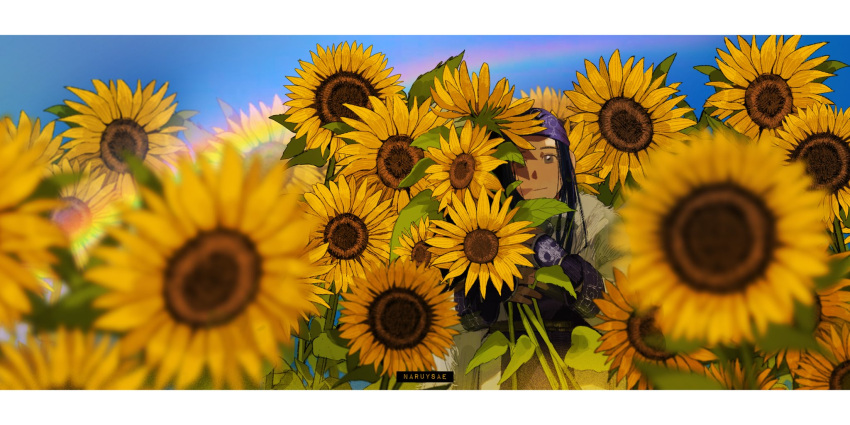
[(121, 137), (212, 278), (347, 236), (461, 171), (719, 238), (827, 160), (839, 379), (420, 253), (339, 89), (481, 246), (646, 338), (625, 124), (73, 216), (768, 99), (399, 318), (396, 158)]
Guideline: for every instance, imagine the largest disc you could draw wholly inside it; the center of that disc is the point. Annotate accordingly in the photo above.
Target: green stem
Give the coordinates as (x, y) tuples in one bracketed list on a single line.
[(559, 362), (747, 360), (514, 383), (385, 382), (322, 363), (543, 363), (839, 236)]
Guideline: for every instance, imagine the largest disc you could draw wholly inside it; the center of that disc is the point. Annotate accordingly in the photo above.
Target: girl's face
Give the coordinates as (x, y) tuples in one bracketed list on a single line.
[(541, 175)]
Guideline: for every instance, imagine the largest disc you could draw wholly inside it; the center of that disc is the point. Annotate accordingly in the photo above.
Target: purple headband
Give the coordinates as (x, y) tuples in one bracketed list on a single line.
[(554, 128)]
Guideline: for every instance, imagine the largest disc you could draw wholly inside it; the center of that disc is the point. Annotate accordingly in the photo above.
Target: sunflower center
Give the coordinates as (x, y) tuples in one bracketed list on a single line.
[(461, 171), (420, 253), (121, 137), (768, 100), (719, 238), (827, 160), (625, 124), (73, 217), (396, 159), (646, 338), (347, 236), (481, 246), (212, 278), (338, 89), (840, 377), (399, 318)]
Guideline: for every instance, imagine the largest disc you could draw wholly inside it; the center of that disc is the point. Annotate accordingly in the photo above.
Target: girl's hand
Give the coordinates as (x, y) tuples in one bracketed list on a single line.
[(524, 293)]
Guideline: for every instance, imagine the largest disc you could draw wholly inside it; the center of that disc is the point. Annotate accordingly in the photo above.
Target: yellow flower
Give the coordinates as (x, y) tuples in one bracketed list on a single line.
[(114, 121), (736, 378), (483, 242), (818, 137), (715, 244), (340, 75), (414, 246), (383, 150), (631, 336), (71, 360), (212, 273), (458, 95), (582, 144), (463, 164), (36, 138), (767, 84), (556, 103), (398, 316), (830, 372), (354, 229), (633, 114)]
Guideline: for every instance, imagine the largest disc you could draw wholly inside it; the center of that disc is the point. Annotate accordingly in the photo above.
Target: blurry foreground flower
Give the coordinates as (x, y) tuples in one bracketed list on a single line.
[(551, 100), (818, 372), (399, 316), (34, 137)]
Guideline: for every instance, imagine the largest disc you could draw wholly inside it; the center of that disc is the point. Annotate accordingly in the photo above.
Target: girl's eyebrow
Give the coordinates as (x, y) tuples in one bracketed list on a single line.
[(549, 147)]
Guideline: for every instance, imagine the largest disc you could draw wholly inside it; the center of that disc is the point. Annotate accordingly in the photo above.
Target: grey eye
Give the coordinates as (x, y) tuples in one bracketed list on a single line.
[(548, 159)]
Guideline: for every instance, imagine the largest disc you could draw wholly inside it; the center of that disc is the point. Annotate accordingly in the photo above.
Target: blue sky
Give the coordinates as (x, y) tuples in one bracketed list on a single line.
[(248, 69)]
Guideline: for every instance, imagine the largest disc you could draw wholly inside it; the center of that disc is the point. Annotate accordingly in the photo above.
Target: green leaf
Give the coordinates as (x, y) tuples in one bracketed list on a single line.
[(294, 147), (361, 373), (538, 211), (431, 138), (681, 345), (554, 275), (785, 336), (66, 268), (417, 172), (582, 355), (316, 327), (509, 152), (338, 127), (705, 69), (63, 111), (512, 187), (310, 157), (671, 379), (303, 369), (194, 133), (142, 174), (420, 90), (523, 351), (325, 347), (830, 67), (49, 187), (839, 268), (289, 380), (720, 127), (663, 68), (420, 206), (281, 119), (73, 310), (493, 347), (226, 109)]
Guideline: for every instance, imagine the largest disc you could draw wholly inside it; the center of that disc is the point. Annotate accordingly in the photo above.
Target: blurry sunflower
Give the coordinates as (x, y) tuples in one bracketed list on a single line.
[(68, 360), (556, 103), (211, 274), (463, 164), (819, 137), (736, 378), (115, 121), (634, 337), (633, 114), (340, 75), (714, 243), (414, 246), (767, 85), (26, 235), (354, 229), (582, 144), (383, 135), (483, 242), (88, 207), (36, 138), (459, 96), (830, 372), (399, 316)]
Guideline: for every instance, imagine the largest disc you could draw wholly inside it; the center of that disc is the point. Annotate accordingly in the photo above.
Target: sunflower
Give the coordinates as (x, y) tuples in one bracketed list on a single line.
[(115, 121), (463, 164), (212, 273), (459, 96), (340, 75), (819, 137), (88, 207), (483, 242), (582, 144), (556, 103), (715, 244), (383, 135), (414, 246), (68, 360), (734, 377), (36, 138), (25, 233), (767, 85), (631, 336), (831, 372), (399, 316), (634, 114), (354, 229)]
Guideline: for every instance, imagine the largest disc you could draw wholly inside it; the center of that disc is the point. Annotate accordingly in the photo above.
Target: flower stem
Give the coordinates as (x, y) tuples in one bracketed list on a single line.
[(330, 318), (559, 362), (838, 234), (514, 383), (385, 382), (543, 363)]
